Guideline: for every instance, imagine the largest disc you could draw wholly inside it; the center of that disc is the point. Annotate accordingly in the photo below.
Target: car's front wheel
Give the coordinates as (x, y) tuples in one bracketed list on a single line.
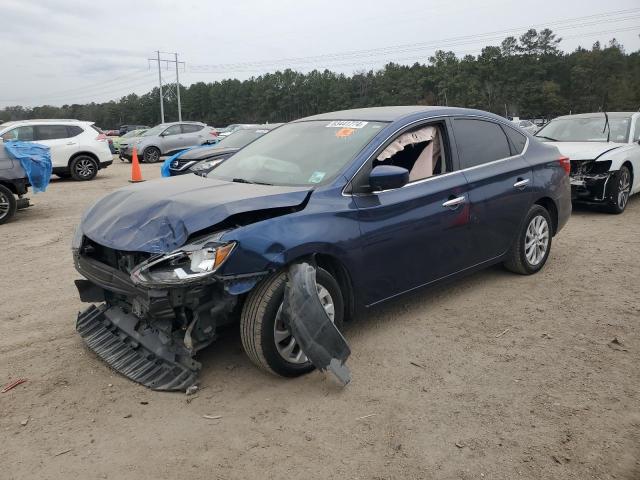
[(151, 155), (620, 190), (532, 245), (8, 204), (266, 339)]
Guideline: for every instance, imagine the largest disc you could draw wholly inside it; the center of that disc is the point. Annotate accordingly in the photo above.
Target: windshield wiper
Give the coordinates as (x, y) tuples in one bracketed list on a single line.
[(244, 180), (546, 138), (607, 124)]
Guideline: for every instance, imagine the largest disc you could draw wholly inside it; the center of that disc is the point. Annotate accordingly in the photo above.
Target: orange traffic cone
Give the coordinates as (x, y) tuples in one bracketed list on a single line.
[(136, 174)]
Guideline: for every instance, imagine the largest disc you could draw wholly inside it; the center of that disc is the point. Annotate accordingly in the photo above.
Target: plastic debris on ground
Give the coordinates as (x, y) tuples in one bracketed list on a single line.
[(35, 160)]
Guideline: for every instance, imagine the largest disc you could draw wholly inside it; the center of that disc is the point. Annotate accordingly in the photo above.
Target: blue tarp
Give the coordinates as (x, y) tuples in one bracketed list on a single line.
[(164, 169), (35, 160)]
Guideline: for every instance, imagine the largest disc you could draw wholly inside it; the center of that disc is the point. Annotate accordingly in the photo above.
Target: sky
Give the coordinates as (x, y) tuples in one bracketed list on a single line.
[(59, 52)]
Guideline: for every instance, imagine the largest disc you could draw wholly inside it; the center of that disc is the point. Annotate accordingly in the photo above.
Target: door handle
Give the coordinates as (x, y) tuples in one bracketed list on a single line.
[(454, 202), (521, 183), (71, 143)]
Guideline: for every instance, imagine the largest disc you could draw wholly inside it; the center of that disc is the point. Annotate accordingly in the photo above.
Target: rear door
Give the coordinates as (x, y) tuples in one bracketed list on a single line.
[(59, 141), (192, 134), (500, 182), (414, 235)]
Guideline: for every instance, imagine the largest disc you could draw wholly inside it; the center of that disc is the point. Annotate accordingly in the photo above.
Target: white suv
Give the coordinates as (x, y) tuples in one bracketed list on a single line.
[(78, 149)]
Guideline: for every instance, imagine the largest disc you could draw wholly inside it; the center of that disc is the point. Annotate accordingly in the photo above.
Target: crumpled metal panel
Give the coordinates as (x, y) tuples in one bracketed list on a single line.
[(158, 216)]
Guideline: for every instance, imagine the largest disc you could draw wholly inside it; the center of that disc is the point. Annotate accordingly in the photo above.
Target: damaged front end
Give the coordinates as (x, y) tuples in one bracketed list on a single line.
[(158, 310), (589, 180)]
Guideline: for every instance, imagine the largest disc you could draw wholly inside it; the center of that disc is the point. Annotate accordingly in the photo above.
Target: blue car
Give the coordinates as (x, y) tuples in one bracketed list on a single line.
[(376, 202)]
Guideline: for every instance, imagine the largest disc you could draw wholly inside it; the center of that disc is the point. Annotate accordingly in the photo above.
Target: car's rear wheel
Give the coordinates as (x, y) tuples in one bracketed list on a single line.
[(266, 339), (151, 155), (531, 247), (83, 168), (8, 204), (620, 190)]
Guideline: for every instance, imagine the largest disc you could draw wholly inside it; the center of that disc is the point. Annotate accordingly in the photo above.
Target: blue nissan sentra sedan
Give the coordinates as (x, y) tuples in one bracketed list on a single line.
[(381, 201)]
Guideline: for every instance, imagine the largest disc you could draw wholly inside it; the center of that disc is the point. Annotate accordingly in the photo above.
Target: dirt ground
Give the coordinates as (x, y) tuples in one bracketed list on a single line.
[(498, 376)]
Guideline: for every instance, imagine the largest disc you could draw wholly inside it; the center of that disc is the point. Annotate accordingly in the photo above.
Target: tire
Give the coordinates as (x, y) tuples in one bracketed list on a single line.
[(258, 323), (151, 155), (619, 191), (8, 204), (538, 225), (83, 168)]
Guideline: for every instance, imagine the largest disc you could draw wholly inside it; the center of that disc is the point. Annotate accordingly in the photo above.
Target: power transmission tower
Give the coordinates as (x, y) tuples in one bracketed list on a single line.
[(167, 61)]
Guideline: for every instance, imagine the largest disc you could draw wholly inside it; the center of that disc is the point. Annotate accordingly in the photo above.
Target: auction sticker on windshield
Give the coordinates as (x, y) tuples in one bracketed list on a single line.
[(346, 124)]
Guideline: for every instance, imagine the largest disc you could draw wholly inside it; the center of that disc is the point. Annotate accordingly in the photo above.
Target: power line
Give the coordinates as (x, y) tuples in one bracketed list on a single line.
[(460, 40), (124, 79), (381, 58)]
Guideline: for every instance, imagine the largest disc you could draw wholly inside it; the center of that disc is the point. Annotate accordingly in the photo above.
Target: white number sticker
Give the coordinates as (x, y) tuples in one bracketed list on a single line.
[(346, 124)]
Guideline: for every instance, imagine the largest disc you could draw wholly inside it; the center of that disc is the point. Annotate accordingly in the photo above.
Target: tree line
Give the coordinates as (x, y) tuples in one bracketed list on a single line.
[(529, 77)]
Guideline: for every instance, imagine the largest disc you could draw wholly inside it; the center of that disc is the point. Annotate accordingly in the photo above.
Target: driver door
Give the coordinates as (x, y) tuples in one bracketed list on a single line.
[(416, 234)]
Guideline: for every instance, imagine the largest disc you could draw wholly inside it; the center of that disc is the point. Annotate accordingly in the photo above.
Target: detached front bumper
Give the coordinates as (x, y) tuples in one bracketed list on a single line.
[(150, 335)]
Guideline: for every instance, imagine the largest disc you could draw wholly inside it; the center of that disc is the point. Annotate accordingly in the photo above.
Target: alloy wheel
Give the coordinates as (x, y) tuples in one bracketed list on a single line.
[(286, 345), (536, 240), (624, 188), (85, 168), (4, 205), (151, 156)]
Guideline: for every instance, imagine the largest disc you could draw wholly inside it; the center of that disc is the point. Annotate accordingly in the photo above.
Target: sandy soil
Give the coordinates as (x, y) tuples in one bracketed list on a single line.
[(549, 398)]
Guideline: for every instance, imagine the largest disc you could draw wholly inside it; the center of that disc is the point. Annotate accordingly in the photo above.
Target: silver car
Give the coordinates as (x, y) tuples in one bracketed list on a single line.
[(169, 138)]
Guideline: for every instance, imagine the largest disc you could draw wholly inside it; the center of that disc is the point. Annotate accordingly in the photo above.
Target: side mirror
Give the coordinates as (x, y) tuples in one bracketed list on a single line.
[(387, 177)]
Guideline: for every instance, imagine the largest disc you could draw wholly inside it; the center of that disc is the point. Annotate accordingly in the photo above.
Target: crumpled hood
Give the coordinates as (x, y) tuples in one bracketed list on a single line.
[(158, 216), (585, 150)]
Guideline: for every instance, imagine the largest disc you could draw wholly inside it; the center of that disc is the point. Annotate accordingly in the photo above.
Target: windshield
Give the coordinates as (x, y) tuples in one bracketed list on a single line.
[(299, 154), (157, 130), (133, 133), (240, 138), (586, 129)]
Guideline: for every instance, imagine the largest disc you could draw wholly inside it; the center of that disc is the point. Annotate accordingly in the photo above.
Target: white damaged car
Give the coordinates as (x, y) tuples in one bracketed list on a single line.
[(604, 149)]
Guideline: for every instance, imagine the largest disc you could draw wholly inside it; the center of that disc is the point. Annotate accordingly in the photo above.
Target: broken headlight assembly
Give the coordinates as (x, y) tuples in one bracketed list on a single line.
[(191, 263), (587, 168)]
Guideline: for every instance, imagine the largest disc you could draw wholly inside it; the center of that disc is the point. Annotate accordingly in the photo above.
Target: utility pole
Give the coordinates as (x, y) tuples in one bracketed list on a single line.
[(178, 90), (161, 94), (177, 84)]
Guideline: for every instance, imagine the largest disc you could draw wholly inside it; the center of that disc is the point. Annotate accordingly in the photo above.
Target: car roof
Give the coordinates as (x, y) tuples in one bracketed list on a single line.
[(265, 126), (44, 121), (392, 114), (601, 114)]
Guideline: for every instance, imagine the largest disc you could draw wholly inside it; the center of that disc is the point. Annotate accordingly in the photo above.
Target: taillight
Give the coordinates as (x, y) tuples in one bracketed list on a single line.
[(101, 138), (566, 164), (213, 133)]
